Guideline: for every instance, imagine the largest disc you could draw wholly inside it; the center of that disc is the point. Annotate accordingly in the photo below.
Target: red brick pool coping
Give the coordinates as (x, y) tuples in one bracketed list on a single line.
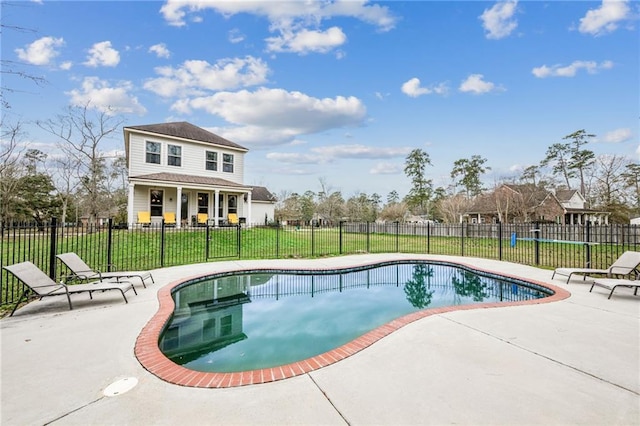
[(153, 360)]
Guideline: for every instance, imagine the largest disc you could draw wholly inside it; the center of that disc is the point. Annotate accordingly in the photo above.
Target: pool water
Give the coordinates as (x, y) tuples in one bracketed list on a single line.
[(261, 319)]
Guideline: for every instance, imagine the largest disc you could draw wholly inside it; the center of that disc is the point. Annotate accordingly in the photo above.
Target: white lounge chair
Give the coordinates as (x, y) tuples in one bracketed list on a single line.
[(613, 283), (80, 270), (625, 265), (42, 285)]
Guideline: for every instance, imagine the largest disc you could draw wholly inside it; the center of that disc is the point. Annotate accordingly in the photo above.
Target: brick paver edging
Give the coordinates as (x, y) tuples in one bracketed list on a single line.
[(153, 360)]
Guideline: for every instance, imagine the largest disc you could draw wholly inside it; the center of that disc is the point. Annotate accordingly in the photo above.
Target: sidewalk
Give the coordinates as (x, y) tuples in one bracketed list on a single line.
[(576, 361)]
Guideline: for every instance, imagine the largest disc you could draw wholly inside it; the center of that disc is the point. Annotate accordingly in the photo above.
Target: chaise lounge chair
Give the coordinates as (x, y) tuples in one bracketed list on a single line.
[(40, 283), (624, 265), (80, 270), (613, 283)]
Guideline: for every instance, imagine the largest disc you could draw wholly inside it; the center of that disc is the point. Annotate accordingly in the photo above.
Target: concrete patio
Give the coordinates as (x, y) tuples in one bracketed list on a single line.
[(574, 361)]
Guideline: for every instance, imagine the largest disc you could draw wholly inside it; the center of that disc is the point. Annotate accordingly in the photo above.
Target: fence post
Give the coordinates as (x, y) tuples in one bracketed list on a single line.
[(537, 232), (462, 239), (206, 242), (110, 245), (52, 248), (588, 245), (162, 243), (499, 240), (278, 239), (340, 239), (428, 237), (239, 239), (312, 240), (368, 239), (397, 236)]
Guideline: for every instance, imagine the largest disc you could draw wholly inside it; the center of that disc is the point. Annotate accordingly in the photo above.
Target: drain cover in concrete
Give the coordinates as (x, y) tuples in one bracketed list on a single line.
[(121, 386)]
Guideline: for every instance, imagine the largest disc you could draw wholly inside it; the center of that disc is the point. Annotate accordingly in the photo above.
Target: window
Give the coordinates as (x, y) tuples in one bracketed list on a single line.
[(155, 205), (225, 326), (220, 205), (227, 163), (233, 204), (203, 202), (174, 155), (212, 161), (153, 152)]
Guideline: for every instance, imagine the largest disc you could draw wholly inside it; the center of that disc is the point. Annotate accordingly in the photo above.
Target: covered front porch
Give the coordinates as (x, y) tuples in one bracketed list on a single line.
[(181, 204)]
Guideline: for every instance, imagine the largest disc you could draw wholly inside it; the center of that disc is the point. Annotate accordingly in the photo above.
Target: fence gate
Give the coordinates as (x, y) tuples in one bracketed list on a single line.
[(223, 242)]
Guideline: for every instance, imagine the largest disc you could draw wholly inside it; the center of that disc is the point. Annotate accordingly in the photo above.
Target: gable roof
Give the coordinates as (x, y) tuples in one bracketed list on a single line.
[(260, 193), (185, 130)]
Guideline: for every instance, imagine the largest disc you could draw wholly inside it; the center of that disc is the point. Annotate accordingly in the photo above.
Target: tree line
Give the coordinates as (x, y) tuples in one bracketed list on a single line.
[(609, 183)]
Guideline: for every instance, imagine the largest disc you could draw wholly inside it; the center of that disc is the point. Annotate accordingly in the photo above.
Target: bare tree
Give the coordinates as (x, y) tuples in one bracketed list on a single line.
[(9, 68), (10, 168), (81, 130), (453, 207)]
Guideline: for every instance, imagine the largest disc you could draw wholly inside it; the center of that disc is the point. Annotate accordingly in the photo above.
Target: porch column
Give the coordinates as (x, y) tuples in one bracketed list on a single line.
[(216, 207), (178, 207), (249, 209), (130, 220)]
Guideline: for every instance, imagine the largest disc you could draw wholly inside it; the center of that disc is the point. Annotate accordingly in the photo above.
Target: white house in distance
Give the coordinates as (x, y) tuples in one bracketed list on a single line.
[(183, 170)]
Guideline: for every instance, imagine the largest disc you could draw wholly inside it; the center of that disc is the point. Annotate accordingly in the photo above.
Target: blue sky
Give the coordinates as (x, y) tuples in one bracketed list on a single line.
[(341, 91)]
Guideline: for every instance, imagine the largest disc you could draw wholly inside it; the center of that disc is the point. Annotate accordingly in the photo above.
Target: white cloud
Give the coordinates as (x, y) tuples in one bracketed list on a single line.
[(278, 108), (296, 23), (160, 50), (360, 151), (195, 77), (498, 21), (329, 154), (592, 67), (386, 169), (413, 89), (100, 95), (476, 85), (276, 116), (604, 19), (41, 51), (305, 41), (617, 136), (235, 36), (102, 54), (313, 11), (66, 65), (295, 158)]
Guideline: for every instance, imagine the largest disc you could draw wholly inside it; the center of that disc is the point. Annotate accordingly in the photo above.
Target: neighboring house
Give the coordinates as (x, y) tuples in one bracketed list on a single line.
[(183, 169), (511, 203)]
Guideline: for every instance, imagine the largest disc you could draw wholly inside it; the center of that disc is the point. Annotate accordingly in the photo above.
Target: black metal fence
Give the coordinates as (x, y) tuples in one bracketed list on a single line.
[(114, 247)]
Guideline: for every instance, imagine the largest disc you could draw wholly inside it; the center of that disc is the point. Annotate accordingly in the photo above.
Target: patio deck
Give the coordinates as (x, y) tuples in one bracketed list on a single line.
[(574, 361)]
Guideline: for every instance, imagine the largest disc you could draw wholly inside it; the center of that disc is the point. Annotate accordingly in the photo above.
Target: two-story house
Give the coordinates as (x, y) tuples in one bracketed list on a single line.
[(511, 203), (197, 177)]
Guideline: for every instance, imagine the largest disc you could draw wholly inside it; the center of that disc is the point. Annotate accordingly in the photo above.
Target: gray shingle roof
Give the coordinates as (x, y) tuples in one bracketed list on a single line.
[(185, 130), (199, 180), (260, 193)]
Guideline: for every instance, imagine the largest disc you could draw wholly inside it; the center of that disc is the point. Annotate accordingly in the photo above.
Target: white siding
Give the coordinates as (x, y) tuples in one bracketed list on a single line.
[(258, 211), (193, 159)]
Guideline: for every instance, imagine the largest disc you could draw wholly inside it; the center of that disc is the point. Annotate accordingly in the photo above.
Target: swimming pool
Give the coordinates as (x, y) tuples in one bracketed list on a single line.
[(265, 319)]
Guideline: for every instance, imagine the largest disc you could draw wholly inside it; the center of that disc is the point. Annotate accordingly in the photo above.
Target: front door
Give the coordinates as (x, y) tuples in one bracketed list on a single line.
[(184, 207)]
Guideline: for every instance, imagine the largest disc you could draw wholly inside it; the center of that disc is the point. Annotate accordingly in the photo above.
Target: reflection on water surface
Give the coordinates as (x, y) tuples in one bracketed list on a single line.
[(264, 319)]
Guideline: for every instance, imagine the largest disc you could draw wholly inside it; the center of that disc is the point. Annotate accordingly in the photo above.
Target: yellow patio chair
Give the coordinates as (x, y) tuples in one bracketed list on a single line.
[(202, 218), (233, 218), (169, 219), (144, 218)]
